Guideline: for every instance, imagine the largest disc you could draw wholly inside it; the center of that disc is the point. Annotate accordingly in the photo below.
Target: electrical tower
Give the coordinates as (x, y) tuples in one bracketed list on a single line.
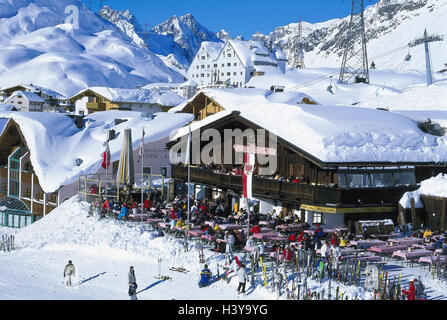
[(355, 56), (425, 40), (299, 53)]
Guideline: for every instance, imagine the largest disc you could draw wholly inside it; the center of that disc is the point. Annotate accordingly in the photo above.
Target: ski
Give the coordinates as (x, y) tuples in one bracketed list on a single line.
[(182, 270)]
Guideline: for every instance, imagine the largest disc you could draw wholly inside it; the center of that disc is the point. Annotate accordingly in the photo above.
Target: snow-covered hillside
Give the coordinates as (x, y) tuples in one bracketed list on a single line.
[(37, 46), (389, 25)]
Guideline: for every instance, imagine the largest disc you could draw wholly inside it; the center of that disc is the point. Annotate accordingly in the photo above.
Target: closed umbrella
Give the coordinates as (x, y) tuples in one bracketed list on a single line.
[(126, 172)]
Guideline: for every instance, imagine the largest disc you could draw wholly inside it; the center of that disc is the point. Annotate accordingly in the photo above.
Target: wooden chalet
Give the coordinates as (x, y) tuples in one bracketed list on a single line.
[(18, 182), (336, 193)]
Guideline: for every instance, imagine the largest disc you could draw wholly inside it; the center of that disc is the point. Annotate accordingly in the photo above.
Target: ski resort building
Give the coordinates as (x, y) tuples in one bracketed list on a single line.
[(96, 99), (26, 101), (51, 99), (235, 63), (46, 159), (334, 165)]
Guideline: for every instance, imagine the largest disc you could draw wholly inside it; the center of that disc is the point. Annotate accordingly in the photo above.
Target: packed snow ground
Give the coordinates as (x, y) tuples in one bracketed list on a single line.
[(102, 252)]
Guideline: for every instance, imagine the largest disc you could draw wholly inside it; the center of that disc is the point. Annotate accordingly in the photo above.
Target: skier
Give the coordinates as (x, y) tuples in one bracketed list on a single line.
[(324, 251), (229, 247), (242, 275), (69, 272), (132, 284), (205, 277), (419, 289), (411, 292)]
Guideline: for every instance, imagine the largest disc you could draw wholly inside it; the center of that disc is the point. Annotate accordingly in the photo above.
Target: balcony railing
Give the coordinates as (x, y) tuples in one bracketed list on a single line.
[(295, 191)]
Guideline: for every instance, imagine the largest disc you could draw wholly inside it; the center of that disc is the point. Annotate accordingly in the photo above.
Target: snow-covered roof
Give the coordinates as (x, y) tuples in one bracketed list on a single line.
[(34, 88), (213, 48), (120, 95), (332, 134), (435, 187), (55, 142), (252, 53), (30, 96)]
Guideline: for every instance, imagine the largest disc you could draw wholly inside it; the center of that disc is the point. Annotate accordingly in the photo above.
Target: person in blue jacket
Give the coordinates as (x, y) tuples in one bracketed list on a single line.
[(205, 277), (318, 232), (124, 212)]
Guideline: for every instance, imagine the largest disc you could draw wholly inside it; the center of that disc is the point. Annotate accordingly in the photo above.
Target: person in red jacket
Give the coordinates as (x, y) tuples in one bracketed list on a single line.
[(287, 253), (300, 237), (334, 238), (255, 229), (292, 237), (411, 292)]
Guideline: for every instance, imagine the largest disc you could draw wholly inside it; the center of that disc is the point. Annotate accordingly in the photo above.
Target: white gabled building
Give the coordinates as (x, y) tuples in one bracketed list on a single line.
[(26, 101), (203, 69), (234, 63)]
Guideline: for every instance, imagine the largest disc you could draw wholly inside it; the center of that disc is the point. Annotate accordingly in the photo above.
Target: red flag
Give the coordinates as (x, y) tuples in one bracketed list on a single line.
[(106, 157)]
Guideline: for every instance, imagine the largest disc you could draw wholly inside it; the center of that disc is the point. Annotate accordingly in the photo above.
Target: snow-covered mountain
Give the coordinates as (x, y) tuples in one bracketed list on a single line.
[(390, 24), (39, 45), (186, 32), (164, 46)]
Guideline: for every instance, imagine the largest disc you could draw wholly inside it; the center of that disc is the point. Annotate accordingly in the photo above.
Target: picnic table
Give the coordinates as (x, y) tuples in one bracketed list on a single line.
[(230, 226), (208, 237), (325, 231), (412, 255), (289, 227), (196, 233), (362, 258), (408, 241), (367, 243), (165, 211), (267, 224), (139, 216), (279, 239), (422, 246), (164, 225), (388, 249), (265, 235), (433, 259), (341, 229), (381, 236)]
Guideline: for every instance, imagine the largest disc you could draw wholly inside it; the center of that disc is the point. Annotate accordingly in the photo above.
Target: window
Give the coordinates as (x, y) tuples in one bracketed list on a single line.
[(228, 73), (317, 218), (215, 65), (203, 57), (193, 76), (357, 180), (164, 171), (147, 170), (242, 73), (222, 74), (208, 66), (229, 55), (381, 179), (341, 180), (207, 74), (404, 178), (235, 64), (197, 67), (234, 73), (202, 75), (223, 64), (202, 66), (228, 64)]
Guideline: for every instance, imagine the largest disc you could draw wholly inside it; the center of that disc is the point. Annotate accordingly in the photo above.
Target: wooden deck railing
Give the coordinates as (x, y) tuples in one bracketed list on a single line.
[(294, 191)]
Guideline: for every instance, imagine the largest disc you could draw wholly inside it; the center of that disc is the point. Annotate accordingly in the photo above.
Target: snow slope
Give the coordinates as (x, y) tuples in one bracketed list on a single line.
[(102, 252), (37, 46)]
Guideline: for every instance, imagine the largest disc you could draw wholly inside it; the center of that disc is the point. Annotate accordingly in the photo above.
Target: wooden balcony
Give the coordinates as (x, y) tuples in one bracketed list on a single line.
[(94, 106), (295, 192)]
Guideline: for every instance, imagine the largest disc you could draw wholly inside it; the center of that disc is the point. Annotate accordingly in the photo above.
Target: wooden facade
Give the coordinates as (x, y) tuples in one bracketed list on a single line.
[(322, 193), (29, 190), (202, 106)]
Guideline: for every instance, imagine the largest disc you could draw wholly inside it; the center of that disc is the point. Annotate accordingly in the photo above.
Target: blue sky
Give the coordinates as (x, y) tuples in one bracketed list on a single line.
[(235, 16)]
